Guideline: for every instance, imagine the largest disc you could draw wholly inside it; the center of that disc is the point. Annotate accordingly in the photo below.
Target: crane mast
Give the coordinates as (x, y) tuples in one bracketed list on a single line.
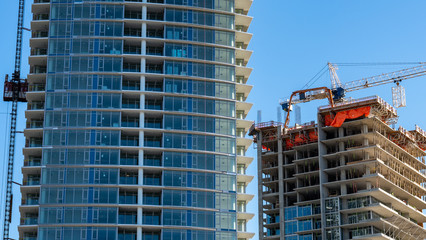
[(335, 81), (14, 91), (339, 90)]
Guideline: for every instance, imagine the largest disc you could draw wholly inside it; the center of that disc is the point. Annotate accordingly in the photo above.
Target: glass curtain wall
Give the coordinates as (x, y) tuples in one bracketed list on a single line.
[(139, 121)]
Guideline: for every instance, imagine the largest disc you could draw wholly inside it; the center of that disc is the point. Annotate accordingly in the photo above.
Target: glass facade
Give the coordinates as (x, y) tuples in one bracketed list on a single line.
[(292, 226), (137, 134)]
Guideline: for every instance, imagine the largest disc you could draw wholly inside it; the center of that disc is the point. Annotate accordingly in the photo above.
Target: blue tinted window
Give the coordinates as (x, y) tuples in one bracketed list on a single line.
[(290, 213), (290, 227), (305, 237), (304, 210), (305, 225)]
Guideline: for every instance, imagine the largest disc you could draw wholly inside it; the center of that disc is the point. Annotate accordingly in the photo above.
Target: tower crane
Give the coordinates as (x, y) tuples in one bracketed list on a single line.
[(14, 91), (338, 90)]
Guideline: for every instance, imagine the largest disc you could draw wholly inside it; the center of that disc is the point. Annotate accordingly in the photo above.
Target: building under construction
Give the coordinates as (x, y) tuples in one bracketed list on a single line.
[(348, 176)]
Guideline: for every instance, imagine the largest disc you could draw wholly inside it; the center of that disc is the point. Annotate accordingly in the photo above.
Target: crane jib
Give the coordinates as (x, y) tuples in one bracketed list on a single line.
[(337, 93), (385, 78)]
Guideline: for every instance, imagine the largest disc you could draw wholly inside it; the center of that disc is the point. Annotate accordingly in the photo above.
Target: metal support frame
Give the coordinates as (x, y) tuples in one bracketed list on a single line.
[(335, 81), (386, 78), (402, 228), (16, 80), (398, 96)]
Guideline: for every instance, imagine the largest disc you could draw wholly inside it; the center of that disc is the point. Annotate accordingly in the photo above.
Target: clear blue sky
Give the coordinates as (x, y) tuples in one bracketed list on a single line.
[(292, 41)]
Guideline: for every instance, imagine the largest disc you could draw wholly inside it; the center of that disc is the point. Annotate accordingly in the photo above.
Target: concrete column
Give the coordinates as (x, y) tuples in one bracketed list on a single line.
[(344, 203), (369, 186), (141, 138), (140, 158), (343, 186), (259, 183), (364, 128), (322, 150), (342, 160), (365, 142), (343, 189), (139, 233), (142, 101), (140, 203), (343, 174), (140, 196), (142, 120), (144, 30), (341, 146), (142, 83), (144, 13), (341, 132), (366, 155), (139, 222), (140, 177), (143, 47), (143, 65), (280, 181)]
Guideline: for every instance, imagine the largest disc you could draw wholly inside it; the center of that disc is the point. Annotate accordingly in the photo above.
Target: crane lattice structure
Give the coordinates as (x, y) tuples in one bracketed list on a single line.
[(14, 91), (392, 77), (339, 90)]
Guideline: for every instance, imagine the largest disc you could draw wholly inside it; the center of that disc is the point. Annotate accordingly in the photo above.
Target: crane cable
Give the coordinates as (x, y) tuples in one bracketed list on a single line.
[(316, 77)]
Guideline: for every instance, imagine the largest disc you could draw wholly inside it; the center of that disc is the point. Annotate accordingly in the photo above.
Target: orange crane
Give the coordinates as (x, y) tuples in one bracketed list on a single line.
[(339, 90)]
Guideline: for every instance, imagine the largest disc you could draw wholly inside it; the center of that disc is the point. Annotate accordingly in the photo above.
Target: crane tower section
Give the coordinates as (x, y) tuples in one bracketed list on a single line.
[(14, 91)]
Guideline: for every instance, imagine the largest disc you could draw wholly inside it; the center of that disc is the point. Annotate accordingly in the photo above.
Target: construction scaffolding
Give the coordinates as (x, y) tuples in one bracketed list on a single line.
[(401, 228)]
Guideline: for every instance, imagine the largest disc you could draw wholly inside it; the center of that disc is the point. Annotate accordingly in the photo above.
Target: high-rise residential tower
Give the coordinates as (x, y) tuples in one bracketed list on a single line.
[(136, 120), (348, 176)]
